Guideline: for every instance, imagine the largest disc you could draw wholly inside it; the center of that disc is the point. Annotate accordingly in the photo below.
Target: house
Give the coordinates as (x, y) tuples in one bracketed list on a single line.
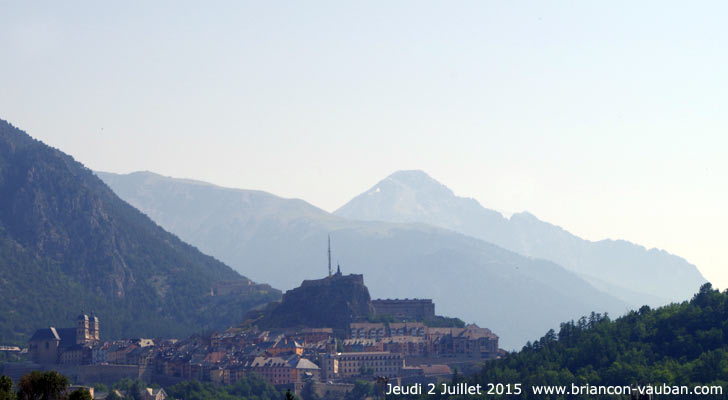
[(282, 346), (471, 341), (313, 335), (279, 371), (154, 394)]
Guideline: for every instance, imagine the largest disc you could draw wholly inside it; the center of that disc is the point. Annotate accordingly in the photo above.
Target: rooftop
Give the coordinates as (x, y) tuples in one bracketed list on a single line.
[(49, 333)]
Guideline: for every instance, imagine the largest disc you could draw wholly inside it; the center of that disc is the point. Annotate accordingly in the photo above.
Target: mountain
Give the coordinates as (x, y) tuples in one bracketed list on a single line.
[(634, 274), (283, 242), (681, 344), (68, 243)]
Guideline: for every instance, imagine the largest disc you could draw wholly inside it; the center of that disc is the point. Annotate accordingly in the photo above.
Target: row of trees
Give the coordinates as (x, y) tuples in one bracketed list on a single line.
[(51, 385), (38, 385), (251, 387)]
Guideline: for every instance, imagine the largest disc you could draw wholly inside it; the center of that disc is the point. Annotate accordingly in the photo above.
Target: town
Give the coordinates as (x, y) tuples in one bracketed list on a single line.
[(395, 341)]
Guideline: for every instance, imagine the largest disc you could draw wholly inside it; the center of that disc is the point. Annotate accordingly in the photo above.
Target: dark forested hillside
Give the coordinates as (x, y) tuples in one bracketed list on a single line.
[(68, 243), (680, 344)]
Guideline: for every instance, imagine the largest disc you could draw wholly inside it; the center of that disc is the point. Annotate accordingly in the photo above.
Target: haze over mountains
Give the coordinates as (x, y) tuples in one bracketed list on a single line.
[(628, 271), (283, 241), (69, 244)]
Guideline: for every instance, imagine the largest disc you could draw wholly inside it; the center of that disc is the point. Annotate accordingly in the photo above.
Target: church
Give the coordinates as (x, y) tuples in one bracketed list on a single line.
[(70, 346)]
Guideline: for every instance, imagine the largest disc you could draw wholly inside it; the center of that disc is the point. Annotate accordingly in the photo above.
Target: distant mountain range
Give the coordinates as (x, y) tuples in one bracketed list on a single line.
[(626, 270), (68, 243), (283, 242)]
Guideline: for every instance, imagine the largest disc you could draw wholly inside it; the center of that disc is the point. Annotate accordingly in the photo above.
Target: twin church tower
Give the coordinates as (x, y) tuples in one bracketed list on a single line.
[(87, 329)]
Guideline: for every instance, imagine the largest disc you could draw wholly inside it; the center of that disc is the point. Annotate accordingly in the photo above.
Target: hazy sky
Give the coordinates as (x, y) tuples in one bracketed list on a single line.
[(607, 119)]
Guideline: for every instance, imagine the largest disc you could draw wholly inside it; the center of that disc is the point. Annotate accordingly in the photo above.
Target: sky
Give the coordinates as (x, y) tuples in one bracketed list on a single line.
[(606, 118)]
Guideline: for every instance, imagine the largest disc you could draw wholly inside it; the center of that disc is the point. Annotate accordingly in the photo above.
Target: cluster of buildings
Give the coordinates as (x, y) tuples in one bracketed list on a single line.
[(326, 360), (415, 339), (285, 357), (67, 346)]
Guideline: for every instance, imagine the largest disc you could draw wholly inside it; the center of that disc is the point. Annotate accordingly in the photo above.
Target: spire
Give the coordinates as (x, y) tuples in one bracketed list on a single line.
[(329, 255), (338, 269)]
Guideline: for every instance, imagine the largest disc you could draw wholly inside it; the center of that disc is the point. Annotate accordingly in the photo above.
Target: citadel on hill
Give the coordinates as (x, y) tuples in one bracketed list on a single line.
[(337, 301)]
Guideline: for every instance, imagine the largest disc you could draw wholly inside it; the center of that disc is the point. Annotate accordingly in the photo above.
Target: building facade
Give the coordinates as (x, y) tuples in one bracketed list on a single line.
[(69, 346), (346, 365), (416, 309)]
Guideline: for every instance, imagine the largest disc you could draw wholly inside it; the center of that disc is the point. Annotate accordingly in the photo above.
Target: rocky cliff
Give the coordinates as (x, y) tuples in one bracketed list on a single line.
[(333, 302)]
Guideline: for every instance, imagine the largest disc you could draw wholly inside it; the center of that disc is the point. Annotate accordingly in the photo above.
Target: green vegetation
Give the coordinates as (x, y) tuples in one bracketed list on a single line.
[(248, 387), (49, 385), (113, 396), (680, 344), (80, 394), (362, 389), (42, 385), (339, 345), (133, 388), (68, 243), (100, 387), (6, 388), (307, 393), (444, 322)]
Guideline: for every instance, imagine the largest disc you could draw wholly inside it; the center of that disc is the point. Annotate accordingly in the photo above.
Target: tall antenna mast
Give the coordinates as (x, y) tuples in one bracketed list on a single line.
[(329, 255)]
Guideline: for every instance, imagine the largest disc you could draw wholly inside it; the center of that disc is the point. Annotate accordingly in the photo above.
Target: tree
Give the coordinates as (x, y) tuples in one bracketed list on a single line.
[(250, 386), (6, 388), (113, 396), (134, 388), (100, 387), (363, 389), (80, 394), (38, 385), (136, 391), (678, 344), (455, 377), (289, 395), (308, 391)]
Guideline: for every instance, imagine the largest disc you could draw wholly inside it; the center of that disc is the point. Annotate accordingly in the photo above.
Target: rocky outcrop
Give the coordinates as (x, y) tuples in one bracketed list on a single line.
[(333, 302)]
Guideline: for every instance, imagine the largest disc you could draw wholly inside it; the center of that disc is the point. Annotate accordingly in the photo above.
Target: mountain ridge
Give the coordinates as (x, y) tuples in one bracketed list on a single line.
[(69, 243), (284, 242), (617, 266)]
